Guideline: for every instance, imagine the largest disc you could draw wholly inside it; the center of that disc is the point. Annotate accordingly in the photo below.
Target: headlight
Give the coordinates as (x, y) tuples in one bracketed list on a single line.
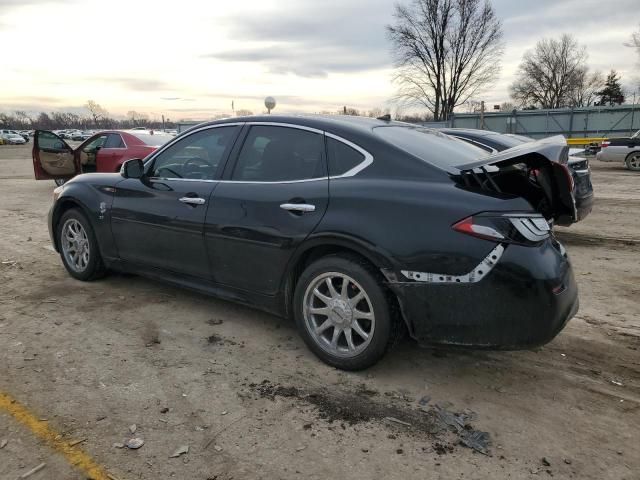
[(57, 192)]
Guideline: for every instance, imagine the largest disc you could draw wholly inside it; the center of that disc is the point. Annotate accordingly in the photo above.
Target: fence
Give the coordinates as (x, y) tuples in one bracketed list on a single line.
[(622, 120)]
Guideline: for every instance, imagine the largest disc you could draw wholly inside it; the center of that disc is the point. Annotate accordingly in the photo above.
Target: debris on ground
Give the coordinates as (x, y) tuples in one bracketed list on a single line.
[(133, 428), (301, 448), (117, 445), (3, 443), (459, 423), (76, 442), (164, 410), (396, 420), (217, 448), (181, 450), (617, 382), (546, 462), (424, 400), (215, 321), (32, 471), (134, 443)]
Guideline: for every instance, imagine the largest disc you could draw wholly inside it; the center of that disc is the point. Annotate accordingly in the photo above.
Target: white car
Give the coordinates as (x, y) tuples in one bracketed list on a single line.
[(13, 139), (623, 149)]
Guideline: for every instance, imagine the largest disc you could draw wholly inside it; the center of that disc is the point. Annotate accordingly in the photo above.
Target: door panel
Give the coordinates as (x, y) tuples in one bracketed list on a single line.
[(158, 221), (153, 227), (250, 231), (52, 157)]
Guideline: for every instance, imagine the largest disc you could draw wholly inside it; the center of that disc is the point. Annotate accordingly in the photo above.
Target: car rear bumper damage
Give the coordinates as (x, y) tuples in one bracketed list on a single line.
[(524, 300)]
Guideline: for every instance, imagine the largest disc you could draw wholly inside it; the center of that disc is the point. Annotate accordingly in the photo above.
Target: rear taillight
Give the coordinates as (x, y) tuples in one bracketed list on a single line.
[(605, 143), (520, 228)]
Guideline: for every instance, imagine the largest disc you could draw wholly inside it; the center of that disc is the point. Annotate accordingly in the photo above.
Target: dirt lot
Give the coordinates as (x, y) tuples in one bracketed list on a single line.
[(242, 391)]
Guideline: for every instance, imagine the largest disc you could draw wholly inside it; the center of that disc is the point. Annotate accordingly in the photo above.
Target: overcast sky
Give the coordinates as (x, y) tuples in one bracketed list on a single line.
[(190, 58)]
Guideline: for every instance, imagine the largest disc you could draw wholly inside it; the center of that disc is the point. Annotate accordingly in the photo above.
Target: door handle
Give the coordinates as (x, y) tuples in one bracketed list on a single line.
[(192, 200), (298, 207)]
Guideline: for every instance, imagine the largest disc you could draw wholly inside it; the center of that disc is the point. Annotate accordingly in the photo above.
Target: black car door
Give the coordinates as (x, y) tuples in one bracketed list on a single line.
[(157, 221), (272, 196)]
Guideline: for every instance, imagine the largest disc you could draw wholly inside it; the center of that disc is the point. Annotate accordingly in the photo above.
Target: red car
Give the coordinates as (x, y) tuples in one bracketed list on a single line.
[(54, 159)]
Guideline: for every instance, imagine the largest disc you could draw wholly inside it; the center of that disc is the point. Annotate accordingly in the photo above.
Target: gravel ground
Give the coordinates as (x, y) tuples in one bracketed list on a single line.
[(241, 390)]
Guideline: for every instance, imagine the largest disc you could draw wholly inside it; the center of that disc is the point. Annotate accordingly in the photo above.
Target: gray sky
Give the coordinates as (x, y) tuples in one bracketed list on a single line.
[(190, 59)]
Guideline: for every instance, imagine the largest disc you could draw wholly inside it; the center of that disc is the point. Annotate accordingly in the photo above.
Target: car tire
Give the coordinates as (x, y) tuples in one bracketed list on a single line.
[(365, 309), (60, 181), (632, 162), (78, 246)]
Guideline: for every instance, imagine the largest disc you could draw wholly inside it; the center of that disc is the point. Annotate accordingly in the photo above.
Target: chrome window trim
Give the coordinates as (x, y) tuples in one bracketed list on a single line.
[(368, 158)]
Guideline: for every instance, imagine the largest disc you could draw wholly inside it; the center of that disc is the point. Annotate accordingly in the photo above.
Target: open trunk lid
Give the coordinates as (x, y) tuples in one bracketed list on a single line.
[(536, 171)]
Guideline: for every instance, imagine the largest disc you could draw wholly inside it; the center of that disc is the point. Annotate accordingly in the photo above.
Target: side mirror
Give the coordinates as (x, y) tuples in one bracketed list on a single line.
[(133, 168)]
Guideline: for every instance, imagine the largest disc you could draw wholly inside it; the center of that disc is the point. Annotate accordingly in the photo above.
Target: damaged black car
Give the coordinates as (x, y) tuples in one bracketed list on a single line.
[(359, 229)]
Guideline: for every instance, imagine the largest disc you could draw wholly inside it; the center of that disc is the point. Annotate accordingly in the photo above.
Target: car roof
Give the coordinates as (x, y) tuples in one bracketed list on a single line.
[(470, 131), (321, 122)]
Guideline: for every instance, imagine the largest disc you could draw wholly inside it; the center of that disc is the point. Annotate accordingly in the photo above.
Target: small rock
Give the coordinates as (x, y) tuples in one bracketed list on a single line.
[(164, 410), (117, 445), (217, 448), (181, 450), (567, 461), (424, 400), (224, 413), (300, 448), (546, 462), (215, 321), (307, 426), (3, 443), (133, 428), (399, 451), (365, 450), (134, 443)]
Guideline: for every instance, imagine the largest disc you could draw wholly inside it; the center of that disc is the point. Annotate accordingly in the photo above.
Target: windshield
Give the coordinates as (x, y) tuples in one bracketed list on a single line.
[(431, 146), (154, 140)]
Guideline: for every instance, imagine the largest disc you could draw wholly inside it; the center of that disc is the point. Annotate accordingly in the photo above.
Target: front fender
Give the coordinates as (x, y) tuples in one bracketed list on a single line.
[(94, 199)]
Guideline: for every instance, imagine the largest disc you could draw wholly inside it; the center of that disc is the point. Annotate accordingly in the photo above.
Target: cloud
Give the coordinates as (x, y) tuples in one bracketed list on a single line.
[(139, 84), (313, 39)]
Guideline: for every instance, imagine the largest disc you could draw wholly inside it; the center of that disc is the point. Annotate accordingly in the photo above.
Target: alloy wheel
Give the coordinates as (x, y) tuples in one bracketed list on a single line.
[(75, 245), (339, 314), (634, 162)]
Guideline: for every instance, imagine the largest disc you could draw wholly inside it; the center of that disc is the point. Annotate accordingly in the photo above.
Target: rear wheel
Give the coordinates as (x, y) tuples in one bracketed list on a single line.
[(78, 246), (632, 162), (342, 312)]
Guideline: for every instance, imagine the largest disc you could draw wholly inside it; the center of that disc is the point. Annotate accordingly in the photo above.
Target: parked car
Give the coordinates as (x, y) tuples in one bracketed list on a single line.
[(79, 136), (623, 149), (357, 228), (102, 152), (15, 132), (13, 138), (498, 142)]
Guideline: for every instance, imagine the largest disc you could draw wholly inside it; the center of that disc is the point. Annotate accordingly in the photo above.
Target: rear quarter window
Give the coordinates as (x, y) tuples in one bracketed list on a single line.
[(342, 157)]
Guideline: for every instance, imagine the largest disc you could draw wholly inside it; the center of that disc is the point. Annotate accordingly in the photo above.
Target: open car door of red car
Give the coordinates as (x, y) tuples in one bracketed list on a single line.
[(52, 157)]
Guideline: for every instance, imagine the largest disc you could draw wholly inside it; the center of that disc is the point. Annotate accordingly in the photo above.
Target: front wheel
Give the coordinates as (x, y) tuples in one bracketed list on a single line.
[(632, 162), (342, 312), (78, 246)]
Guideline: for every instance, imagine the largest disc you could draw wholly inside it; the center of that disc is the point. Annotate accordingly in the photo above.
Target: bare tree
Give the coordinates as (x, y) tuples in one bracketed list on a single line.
[(446, 51), (549, 73), (634, 41), (97, 112), (585, 89)]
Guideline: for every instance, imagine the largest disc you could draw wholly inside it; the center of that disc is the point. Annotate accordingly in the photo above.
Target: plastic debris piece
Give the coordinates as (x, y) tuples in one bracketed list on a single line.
[(476, 440), (181, 450)]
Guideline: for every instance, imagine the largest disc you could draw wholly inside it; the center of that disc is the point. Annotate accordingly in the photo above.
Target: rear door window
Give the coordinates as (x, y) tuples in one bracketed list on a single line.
[(280, 154), (114, 140)]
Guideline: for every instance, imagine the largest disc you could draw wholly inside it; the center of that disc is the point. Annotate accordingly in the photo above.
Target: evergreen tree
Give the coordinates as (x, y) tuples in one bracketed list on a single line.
[(611, 94)]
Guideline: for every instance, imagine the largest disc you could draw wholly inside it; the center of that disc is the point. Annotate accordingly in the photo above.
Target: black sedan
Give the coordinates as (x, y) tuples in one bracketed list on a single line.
[(359, 229), (497, 142)]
